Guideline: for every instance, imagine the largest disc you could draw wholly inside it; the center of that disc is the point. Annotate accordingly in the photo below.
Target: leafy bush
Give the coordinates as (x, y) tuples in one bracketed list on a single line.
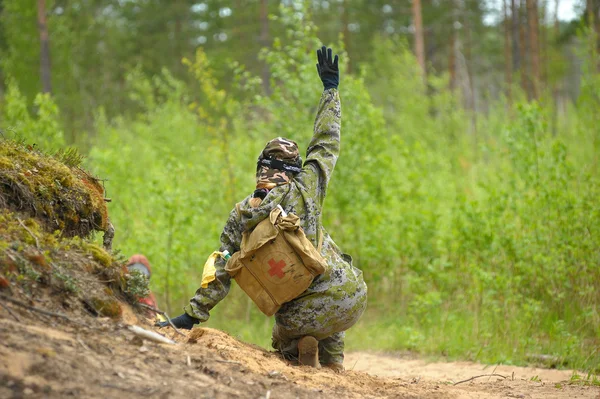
[(42, 129)]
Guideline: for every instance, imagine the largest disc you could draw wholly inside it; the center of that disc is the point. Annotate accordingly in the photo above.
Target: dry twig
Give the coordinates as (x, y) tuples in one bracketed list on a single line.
[(479, 376), (42, 311), (11, 256), (87, 348), (150, 335), (493, 371), (37, 243), (160, 312), (227, 361), (11, 312)]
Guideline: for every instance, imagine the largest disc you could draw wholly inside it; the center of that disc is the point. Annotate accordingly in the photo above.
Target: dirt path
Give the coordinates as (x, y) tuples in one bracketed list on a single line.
[(521, 382), (45, 358)]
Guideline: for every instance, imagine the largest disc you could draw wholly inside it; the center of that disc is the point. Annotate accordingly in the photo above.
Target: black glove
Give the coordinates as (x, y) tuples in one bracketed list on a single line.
[(184, 321), (328, 68)]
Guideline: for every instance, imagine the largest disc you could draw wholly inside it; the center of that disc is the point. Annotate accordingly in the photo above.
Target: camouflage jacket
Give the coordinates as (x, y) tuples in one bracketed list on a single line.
[(333, 295)]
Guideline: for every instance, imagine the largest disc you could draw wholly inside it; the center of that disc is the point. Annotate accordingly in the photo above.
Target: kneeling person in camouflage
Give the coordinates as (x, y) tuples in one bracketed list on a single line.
[(311, 326)]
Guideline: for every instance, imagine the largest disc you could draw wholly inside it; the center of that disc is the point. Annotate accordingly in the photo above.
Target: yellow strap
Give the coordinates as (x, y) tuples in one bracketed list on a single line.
[(209, 272)]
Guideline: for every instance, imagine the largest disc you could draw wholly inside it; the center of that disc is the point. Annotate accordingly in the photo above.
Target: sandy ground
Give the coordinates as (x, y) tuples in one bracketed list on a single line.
[(520, 382), (41, 357)]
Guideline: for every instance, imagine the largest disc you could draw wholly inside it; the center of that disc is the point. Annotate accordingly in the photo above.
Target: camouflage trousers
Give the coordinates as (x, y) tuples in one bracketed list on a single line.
[(331, 349), (330, 336)]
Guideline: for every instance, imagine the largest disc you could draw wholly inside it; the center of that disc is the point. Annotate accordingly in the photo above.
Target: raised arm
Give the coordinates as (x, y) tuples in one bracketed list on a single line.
[(324, 147)]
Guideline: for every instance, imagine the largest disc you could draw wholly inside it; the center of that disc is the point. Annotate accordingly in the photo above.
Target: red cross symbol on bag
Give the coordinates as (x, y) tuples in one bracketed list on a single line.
[(276, 268)]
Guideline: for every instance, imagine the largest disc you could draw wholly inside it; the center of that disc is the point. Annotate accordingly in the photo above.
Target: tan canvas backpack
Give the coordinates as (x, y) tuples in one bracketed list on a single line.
[(276, 262)]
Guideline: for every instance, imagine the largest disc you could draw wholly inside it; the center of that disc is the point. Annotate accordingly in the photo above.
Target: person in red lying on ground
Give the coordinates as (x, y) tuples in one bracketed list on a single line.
[(140, 263)]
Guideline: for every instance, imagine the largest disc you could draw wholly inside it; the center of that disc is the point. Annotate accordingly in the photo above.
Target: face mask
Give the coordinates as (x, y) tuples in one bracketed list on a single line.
[(140, 268)]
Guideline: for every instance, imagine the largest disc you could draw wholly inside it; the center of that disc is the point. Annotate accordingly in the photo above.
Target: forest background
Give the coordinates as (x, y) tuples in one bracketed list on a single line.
[(468, 184)]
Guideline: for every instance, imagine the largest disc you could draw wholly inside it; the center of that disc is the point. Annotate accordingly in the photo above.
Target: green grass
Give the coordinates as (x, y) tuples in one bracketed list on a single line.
[(459, 336)]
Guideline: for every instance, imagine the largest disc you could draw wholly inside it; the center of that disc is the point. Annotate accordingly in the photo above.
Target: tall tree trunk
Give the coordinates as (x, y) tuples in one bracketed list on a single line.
[(555, 89), (238, 38), (593, 16), (469, 68), (178, 39), (468, 77), (419, 41), (467, 45), (1, 81), (593, 7), (516, 55), (264, 41), (534, 46), (45, 69), (346, 32), (452, 58), (543, 44), (556, 20), (523, 50), (507, 55), (597, 26)]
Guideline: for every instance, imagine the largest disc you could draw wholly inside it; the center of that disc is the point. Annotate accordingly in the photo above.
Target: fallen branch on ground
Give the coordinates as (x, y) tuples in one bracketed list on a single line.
[(87, 348), (42, 311), (37, 243), (160, 312), (150, 335), (227, 361), (10, 312), (479, 376)]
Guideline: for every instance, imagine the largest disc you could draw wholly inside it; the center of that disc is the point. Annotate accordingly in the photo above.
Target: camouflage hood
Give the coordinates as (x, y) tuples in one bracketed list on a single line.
[(282, 149), (278, 149)]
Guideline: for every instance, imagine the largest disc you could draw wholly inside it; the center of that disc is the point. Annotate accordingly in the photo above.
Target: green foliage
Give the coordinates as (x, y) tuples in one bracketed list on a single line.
[(20, 56), (42, 128), (587, 380), (69, 283), (137, 285)]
